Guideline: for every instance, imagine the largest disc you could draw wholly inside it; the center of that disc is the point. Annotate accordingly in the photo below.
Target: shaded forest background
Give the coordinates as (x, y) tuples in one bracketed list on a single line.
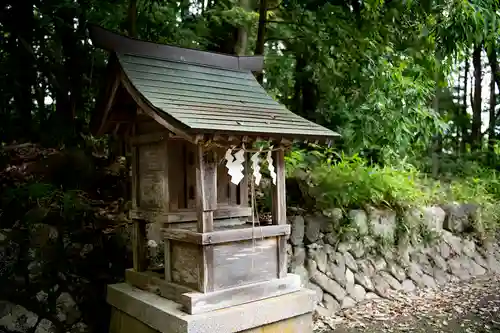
[(412, 86), (395, 78), (406, 83)]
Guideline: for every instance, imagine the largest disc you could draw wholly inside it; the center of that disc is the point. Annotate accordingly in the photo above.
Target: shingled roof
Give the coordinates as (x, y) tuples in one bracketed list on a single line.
[(204, 92)]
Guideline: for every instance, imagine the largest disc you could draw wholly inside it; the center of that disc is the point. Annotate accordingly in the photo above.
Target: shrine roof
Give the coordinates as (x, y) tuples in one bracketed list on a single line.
[(204, 92)]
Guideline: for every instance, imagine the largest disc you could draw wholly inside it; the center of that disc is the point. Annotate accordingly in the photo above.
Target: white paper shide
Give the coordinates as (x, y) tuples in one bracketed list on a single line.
[(256, 168), (234, 165), (270, 165)]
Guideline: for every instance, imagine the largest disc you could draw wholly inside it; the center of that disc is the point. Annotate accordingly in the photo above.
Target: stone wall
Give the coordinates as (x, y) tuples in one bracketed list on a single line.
[(354, 256), (53, 279)]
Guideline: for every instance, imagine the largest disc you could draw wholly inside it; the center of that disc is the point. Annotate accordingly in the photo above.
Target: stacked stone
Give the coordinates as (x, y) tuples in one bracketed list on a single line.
[(344, 273), (48, 294)]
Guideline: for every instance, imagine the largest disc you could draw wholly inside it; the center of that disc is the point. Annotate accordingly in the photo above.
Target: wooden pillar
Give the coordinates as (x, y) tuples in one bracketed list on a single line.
[(206, 188), (279, 190), (139, 245), (206, 203), (244, 199), (139, 227), (279, 208)]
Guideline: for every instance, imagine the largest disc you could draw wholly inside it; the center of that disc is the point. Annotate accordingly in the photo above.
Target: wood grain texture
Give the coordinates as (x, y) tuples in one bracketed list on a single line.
[(139, 245), (113, 88), (152, 176), (134, 174), (241, 263), (176, 175), (243, 187), (153, 282), (185, 264), (195, 303), (189, 155), (152, 215), (223, 179), (148, 138), (206, 280), (167, 258), (206, 188), (234, 234), (146, 125), (279, 190)]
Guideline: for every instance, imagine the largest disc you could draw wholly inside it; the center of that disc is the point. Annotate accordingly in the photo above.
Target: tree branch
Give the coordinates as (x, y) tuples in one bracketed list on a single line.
[(281, 22)]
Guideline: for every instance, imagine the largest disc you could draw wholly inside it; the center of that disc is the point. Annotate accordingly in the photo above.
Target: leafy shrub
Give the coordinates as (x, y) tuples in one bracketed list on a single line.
[(330, 180), (351, 182)]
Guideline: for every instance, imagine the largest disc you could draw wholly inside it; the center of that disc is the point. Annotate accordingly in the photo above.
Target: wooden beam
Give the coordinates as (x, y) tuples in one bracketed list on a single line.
[(206, 278), (226, 236), (139, 246), (206, 188), (133, 172), (196, 303), (152, 282), (279, 190), (279, 209), (149, 138), (168, 260), (166, 188), (151, 215), (109, 104), (244, 182)]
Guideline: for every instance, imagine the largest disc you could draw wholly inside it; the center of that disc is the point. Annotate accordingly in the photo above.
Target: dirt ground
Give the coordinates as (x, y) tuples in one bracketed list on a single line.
[(464, 307)]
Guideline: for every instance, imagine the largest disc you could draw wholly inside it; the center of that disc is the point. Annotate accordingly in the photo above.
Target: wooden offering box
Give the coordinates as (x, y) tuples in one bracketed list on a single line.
[(179, 111)]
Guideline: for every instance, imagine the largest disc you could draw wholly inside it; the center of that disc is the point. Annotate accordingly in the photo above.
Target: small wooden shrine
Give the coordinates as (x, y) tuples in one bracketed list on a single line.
[(192, 120)]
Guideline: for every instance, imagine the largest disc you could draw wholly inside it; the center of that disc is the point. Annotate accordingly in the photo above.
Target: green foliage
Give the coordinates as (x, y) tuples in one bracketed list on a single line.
[(351, 182), (369, 69)]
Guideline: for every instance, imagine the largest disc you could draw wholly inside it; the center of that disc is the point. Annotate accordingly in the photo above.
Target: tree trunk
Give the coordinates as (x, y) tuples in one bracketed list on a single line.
[(261, 35), (300, 64), (23, 26), (477, 102), (492, 59), (242, 38), (68, 86), (438, 140), (132, 18), (184, 4), (464, 123), (492, 121)]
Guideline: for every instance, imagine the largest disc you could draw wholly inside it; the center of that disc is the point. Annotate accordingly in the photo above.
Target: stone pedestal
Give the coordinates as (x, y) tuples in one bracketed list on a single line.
[(138, 311)]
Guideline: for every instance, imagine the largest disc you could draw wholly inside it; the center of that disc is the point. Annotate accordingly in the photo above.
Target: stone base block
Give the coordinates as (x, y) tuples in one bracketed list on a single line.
[(138, 311)]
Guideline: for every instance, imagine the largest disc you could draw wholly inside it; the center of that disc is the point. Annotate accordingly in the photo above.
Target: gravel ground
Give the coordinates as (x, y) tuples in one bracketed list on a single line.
[(463, 307)]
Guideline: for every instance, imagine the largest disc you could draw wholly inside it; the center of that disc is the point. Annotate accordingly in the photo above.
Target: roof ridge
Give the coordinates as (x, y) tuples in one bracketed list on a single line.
[(147, 56), (108, 40)]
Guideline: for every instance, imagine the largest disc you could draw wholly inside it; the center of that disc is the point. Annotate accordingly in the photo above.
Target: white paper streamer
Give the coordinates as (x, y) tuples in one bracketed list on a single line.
[(256, 168), (270, 165), (236, 167), (229, 160)]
